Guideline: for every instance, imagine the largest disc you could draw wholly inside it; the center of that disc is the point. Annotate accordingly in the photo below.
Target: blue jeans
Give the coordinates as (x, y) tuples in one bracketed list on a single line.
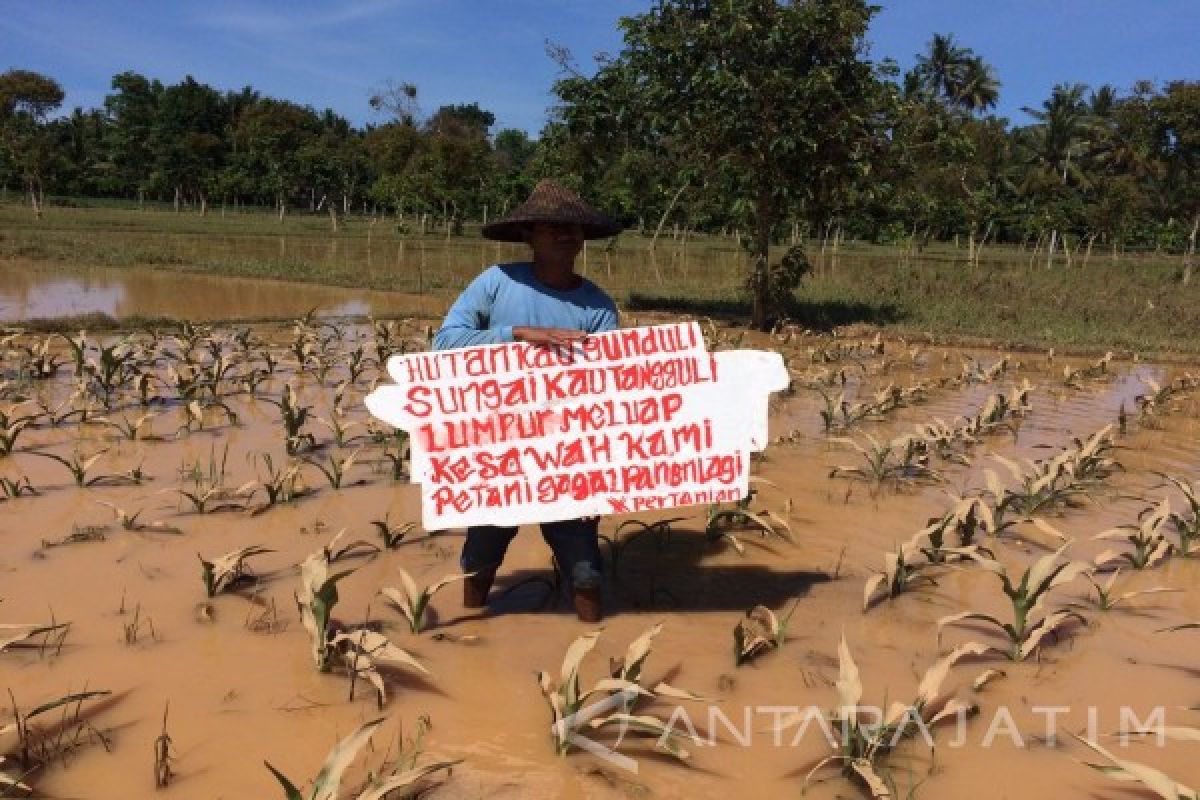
[(575, 543)]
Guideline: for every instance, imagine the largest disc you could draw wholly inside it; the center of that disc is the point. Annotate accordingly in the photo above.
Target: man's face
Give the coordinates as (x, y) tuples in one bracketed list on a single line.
[(556, 240)]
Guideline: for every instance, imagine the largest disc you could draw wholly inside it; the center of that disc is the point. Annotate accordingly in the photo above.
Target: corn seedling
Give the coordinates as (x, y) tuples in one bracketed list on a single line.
[(567, 700), (402, 457), (840, 415), (131, 429), (280, 485), (392, 535), (902, 570), (129, 522), (723, 518), (31, 746), (1076, 377), (213, 499), (761, 630), (78, 467), (327, 784), (1187, 523), (195, 413), (224, 571), (336, 468), (14, 635), (1030, 624), (1150, 545), (315, 600), (413, 602), (1107, 599), (11, 488), (335, 552), (339, 428), (864, 742), (12, 425), (1158, 782), (294, 416), (901, 461), (363, 651)]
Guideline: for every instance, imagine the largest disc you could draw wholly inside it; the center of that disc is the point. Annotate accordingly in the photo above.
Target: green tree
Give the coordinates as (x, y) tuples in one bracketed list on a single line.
[(26, 98), (775, 96)]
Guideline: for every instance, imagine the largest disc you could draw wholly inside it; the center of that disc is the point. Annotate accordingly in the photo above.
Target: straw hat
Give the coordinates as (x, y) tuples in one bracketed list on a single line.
[(550, 202)]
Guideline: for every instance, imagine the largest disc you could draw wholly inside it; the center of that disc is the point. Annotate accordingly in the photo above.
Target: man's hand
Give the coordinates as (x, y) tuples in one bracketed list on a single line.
[(548, 337)]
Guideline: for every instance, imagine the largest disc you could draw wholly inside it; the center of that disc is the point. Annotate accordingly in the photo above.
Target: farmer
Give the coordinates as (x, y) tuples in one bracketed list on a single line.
[(544, 302)]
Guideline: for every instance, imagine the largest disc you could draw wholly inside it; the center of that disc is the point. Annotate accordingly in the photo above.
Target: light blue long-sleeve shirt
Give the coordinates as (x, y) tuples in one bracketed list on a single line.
[(506, 296)]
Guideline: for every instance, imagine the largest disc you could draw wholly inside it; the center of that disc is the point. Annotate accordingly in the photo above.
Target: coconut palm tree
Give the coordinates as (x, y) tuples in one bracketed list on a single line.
[(1055, 145)]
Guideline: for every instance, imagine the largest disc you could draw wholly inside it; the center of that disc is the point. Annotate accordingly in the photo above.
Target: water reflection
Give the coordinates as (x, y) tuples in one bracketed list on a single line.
[(31, 291)]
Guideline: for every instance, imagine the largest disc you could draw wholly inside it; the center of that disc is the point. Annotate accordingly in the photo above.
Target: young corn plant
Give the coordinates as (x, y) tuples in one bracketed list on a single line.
[(30, 747), (12, 425), (339, 428), (1186, 524), (903, 461), (315, 600), (1150, 544), (14, 635), (903, 570), (723, 519), (336, 468), (327, 784), (1107, 599), (1156, 781), (840, 416), (130, 521), (135, 429), (224, 571), (279, 484), (567, 699), (293, 416), (412, 602), (363, 651), (11, 489), (78, 467), (392, 535), (1031, 623), (864, 742), (761, 630)]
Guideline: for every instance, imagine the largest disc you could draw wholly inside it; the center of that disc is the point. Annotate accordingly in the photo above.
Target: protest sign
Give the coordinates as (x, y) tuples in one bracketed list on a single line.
[(624, 421)]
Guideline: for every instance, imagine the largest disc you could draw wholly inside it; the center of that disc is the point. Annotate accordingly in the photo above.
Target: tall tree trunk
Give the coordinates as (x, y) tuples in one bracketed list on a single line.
[(662, 221), (1191, 250), (333, 217), (760, 254), (177, 193), (1050, 248), (203, 203), (33, 200), (282, 206)]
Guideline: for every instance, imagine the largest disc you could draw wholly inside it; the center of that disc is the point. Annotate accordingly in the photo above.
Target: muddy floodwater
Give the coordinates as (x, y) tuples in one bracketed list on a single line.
[(29, 290), (237, 671)]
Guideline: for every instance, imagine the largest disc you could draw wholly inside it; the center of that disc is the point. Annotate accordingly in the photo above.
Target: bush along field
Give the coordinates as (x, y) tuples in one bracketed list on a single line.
[(212, 581)]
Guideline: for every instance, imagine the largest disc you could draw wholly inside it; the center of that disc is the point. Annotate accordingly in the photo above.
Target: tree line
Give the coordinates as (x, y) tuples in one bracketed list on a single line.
[(767, 120)]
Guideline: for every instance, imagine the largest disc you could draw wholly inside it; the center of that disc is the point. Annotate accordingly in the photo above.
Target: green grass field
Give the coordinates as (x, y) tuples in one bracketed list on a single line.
[(1137, 303)]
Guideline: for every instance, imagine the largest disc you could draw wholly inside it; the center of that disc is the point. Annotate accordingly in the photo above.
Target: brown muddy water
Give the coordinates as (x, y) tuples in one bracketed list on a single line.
[(29, 290), (241, 686)]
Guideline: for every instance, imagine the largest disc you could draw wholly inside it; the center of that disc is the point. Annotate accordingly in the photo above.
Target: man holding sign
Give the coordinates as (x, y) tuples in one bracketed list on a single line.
[(541, 302)]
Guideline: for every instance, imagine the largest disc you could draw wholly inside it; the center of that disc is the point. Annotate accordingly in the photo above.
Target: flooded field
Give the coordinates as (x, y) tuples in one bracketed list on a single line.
[(183, 450), (33, 291)]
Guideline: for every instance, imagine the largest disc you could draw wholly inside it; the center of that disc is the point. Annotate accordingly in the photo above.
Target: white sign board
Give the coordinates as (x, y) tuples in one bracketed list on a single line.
[(625, 421)]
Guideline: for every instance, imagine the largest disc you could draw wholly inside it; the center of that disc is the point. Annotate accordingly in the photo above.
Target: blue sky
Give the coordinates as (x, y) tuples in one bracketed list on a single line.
[(331, 53)]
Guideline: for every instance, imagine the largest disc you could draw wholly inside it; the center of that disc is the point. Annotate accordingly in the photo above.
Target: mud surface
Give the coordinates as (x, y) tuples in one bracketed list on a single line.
[(241, 685)]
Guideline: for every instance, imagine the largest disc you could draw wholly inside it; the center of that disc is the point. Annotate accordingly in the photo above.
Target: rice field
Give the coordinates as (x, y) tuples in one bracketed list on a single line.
[(212, 581)]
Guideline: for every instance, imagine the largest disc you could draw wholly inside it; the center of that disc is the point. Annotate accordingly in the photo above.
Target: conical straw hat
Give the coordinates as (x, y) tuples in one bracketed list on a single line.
[(550, 202)]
